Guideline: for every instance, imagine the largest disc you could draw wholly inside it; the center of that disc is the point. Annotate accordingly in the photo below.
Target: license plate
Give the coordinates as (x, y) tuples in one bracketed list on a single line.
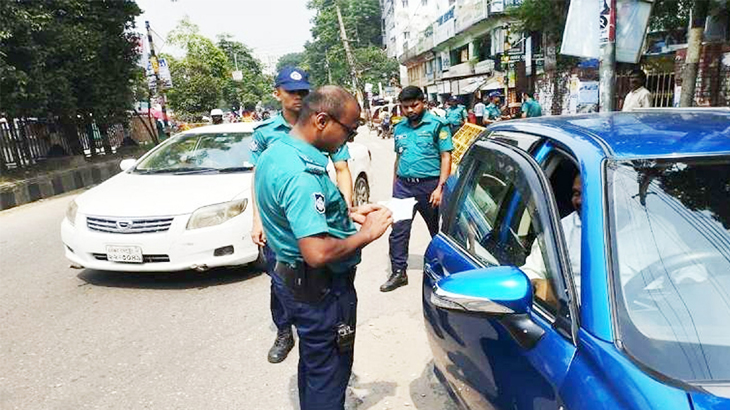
[(127, 254)]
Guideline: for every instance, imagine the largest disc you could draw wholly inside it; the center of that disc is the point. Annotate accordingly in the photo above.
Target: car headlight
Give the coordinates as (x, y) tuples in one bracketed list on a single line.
[(71, 212), (216, 214)]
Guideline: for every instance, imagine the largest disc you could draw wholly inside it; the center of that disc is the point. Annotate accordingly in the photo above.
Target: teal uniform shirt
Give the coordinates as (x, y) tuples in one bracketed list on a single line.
[(492, 112), (532, 108), (297, 199), (271, 130), (455, 115), (420, 147)]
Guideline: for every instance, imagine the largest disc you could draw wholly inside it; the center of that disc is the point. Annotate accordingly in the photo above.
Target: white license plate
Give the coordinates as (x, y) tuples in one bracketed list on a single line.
[(128, 254)]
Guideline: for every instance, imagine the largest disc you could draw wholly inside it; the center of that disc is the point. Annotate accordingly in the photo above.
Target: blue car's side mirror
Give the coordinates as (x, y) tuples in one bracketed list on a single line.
[(502, 292), (493, 291)]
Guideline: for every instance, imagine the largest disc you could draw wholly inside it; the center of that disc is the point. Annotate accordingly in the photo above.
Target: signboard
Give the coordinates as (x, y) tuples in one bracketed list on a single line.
[(445, 61), (444, 27), (497, 6), (528, 56), (470, 12), (237, 75), (165, 75), (584, 33), (163, 72)]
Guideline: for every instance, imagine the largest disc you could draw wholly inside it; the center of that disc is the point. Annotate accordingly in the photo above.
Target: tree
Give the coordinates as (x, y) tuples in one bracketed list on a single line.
[(291, 60), (199, 76), (254, 85), (67, 59)]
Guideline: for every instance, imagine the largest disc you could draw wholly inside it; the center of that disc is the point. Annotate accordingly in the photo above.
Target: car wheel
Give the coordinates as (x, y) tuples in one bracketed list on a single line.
[(361, 194)]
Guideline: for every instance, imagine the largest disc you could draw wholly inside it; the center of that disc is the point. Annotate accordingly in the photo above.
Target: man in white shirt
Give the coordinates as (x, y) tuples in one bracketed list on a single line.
[(479, 112), (534, 266), (638, 97)]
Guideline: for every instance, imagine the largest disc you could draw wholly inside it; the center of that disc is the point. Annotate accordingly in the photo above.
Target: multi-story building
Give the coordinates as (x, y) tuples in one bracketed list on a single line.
[(469, 46)]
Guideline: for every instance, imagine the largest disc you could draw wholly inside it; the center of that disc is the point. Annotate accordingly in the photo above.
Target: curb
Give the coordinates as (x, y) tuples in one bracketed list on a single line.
[(56, 183)]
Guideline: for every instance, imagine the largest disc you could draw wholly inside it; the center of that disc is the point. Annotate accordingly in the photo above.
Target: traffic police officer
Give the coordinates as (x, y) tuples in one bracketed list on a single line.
[(311, 230), (423, 163), (291, 86), (455, 114)]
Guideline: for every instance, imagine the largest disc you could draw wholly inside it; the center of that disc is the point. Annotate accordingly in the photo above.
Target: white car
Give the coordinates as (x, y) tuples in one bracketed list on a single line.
[(183, 205)]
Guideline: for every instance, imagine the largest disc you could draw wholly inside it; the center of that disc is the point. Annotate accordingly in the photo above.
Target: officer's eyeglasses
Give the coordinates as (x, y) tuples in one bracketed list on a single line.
[(351, 132)]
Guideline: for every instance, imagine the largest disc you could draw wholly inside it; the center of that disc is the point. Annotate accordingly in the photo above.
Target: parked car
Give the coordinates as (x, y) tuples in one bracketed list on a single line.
[(183, 205), (632, 307)]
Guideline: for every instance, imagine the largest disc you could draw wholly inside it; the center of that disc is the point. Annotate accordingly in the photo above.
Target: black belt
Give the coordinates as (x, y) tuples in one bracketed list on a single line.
[(416, 180), (308, 284)]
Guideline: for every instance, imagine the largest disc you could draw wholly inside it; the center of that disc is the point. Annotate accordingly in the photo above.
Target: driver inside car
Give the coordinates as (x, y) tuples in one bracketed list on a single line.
[(534, 266)]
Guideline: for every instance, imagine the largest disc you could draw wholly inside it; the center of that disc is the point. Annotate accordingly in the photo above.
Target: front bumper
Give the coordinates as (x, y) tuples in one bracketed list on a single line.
[(176, 249)]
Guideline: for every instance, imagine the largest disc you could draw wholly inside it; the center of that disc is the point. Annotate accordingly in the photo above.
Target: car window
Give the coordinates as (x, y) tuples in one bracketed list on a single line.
[(498, 223)]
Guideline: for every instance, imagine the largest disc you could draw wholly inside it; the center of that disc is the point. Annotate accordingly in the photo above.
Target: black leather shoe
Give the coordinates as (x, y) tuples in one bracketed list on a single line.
[(282, 346), (397, 279)]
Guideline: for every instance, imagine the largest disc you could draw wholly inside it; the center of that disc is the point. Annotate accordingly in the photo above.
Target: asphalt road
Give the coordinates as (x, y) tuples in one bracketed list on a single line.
[(84, 339)]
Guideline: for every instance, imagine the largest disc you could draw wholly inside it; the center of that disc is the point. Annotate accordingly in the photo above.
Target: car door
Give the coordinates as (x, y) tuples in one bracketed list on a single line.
[(501, 208)]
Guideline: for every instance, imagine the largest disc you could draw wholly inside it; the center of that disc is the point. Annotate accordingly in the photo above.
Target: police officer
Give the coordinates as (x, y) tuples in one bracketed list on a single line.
[(493, 113), (317, 246), (455, 114), (423, 163), (291, 86)]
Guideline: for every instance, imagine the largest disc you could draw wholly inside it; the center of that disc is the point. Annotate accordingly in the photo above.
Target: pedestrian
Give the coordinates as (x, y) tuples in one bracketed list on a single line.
[(423, 148), (317, 246), (436, 110), (479, 109), (455, 114), (216, 116), (530, 107), (638, 97), (290, 88), (492, 112)]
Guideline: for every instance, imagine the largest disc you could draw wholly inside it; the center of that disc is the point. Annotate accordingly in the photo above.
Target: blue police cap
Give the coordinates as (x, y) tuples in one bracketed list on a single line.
[(292, 79)]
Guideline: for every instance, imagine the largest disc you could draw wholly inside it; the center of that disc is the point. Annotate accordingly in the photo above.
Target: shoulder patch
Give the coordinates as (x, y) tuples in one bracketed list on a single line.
[(253, 146), (311, 166), (443, 134), (319, 204)]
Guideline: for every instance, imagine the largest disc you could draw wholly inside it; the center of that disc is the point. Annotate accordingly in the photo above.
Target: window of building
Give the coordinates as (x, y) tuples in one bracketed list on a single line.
[(460, 55), (497, 46), (424, 2), (405, 3), (406, 35)]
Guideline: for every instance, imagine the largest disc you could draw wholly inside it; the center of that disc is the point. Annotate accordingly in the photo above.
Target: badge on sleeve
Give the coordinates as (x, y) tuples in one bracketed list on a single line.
[(253, 146), (319, 202), (443, 134)]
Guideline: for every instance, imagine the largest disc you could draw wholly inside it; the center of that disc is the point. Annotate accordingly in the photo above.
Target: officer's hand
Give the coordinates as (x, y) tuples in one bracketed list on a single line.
[(257, 234), (435, 199), (359, 213), (376, 223)]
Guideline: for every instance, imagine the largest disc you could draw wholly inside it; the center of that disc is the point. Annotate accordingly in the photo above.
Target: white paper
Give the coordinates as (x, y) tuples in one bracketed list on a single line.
[(402, 208)]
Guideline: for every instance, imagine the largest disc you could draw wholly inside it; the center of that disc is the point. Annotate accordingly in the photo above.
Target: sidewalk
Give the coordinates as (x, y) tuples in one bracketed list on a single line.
[(80, 174)]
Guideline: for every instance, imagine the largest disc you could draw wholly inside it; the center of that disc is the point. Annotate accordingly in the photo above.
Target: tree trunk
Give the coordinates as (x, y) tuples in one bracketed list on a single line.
[(551, 72), (70, 134), (694, 46)]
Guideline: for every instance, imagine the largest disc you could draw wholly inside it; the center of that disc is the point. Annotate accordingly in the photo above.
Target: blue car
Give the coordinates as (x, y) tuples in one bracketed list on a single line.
[(584, 263)]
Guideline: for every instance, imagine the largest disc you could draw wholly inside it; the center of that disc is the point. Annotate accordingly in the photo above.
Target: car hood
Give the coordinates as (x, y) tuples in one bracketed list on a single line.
[(160, 195), (717, 399)]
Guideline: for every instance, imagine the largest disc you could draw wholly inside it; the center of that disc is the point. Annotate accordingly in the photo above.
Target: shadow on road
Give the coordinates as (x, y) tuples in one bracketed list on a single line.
[(360, 396), (427, 393), (168, 280)]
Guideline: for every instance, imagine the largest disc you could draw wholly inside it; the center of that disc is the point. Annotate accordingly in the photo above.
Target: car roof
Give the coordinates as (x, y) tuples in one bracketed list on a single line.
[(650, 133), (222, 128)]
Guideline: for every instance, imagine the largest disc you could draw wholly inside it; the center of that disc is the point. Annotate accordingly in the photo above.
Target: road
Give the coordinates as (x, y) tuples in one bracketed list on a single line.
[(84, 339)]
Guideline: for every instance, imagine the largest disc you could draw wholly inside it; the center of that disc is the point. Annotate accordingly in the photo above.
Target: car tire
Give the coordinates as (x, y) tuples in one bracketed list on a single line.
[(361, 191)]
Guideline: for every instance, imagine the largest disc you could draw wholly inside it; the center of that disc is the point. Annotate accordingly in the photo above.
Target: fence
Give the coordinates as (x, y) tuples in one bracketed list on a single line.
[(661, 86), (25, 143)]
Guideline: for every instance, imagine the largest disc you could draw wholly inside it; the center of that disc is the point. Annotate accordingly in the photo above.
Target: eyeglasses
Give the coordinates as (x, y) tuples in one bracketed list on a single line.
[(351, 132)]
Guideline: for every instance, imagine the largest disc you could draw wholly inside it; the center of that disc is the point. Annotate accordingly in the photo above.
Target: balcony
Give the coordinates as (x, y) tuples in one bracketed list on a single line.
[(459, 70)]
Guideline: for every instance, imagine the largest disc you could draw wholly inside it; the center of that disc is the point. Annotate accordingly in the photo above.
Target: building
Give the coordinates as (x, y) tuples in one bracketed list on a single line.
[(468, 49)]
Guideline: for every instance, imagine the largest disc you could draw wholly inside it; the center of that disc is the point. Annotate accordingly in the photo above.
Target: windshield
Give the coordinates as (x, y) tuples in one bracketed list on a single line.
[(671, 251), (190, 153)]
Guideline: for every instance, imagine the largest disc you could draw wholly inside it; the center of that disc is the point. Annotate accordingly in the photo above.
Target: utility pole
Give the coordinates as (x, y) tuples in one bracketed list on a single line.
[(348, 54), (607, 69), (156, 69)]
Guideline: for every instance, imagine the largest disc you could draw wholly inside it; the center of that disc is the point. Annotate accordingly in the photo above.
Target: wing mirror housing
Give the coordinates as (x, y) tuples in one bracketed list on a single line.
[(503, 293), (127, 163), (501, 290)]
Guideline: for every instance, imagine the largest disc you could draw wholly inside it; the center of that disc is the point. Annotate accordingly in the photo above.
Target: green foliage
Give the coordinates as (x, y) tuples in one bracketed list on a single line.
[(68, 58), (324, 56), (291, 60), (202, 79)]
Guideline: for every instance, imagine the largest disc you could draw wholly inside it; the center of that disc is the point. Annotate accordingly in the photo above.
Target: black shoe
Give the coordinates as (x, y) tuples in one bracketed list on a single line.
[(282, 346), (397, 279)]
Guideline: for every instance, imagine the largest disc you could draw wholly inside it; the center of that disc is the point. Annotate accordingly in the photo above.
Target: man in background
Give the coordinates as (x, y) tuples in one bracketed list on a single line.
[(638, 97)]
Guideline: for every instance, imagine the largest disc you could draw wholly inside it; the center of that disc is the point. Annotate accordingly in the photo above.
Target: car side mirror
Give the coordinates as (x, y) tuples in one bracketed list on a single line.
[(500, 290), (127, 164), (503, 293)]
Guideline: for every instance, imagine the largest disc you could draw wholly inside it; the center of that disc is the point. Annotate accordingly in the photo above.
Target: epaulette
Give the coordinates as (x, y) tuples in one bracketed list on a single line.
[(265, 123), (312, 166)]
